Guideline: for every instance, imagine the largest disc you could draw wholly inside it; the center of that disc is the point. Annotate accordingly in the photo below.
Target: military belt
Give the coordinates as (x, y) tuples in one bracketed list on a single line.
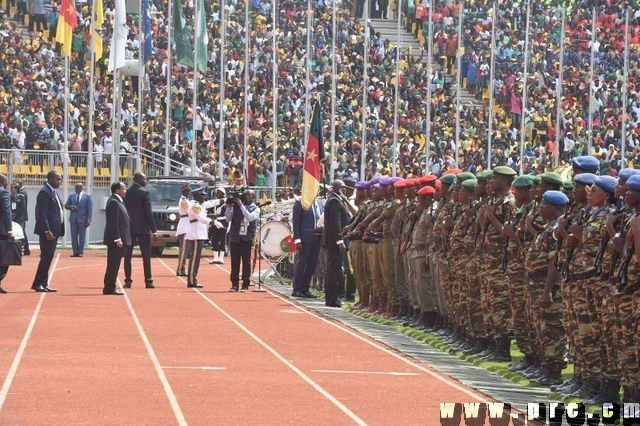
[(193, 220), (538, 276), (184, 215), (221, 218), (583, 275)]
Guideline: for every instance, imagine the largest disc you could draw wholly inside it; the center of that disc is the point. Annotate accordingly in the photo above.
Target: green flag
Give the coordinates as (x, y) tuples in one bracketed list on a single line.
[(182, 35), (203, 37)]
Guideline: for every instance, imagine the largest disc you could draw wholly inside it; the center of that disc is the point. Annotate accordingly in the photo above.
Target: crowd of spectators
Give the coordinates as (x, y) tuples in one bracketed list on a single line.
[(32, 87)]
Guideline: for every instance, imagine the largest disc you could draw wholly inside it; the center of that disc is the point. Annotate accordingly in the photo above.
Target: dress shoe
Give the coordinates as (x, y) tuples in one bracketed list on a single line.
[(113, 292), (181, 274), (308, 294), (127, 283), (196, 285), (149, 284), (298, 294), (39, 289), (2, 290), (75, 255), (234, 289), (26, 253), (333, 303), (50, 290), (244, 289)]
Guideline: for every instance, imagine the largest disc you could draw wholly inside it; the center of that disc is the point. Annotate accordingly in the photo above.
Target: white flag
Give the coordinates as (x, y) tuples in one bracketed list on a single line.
[(119, 39)]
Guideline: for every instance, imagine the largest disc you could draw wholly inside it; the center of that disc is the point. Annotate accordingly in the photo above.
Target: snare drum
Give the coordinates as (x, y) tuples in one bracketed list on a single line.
[(270, 235)]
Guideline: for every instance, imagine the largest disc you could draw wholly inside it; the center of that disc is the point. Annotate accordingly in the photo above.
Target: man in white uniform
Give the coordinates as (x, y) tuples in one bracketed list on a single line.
[(181, 229)]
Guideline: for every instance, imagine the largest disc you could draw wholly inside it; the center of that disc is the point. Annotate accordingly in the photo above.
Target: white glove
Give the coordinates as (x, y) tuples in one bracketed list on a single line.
[(217, 224)]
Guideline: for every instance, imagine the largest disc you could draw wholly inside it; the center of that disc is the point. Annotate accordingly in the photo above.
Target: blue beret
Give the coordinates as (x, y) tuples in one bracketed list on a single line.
[(634, 182), (376, 185), (585, 178), (361, 185), (625, 174), (607, 183), (375, 180), (385, 181), (557, 198), (586, 163), (367, 184)]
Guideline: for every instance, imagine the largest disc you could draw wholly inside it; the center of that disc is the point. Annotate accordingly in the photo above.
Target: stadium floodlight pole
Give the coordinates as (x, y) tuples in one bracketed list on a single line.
[(167, 118), (92, 98), (395, 101), (275, 98), (334, 35), (115, 119), (625, 89), (65, 147), (458, 86), (247, 43), (492, 72), (141, 76), (594, 16), (430, 75), (556, 149), (525, 78), (365, 96), (307, 79), (223, 42), (196, 41)]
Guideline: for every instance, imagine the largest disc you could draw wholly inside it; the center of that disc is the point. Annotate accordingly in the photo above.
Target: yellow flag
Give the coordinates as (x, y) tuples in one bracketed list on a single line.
[(95, 37)]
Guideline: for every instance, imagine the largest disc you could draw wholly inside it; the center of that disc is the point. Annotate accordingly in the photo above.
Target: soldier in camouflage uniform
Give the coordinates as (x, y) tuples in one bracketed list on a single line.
[(355, 246), (402, 286), (409, 221), (545, 290)]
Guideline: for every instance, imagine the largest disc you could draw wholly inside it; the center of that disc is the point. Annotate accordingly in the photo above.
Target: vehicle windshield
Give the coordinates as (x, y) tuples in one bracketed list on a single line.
[(164, 192)]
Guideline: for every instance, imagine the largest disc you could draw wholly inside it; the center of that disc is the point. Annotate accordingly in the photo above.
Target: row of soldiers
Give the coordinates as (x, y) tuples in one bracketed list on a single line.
[(481, 260)]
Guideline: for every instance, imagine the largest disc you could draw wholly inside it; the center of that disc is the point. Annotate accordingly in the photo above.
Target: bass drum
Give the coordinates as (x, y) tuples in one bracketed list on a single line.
[(269, 235)]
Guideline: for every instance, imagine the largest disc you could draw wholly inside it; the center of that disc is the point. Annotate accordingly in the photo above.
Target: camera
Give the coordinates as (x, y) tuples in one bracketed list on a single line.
[(235, 193)]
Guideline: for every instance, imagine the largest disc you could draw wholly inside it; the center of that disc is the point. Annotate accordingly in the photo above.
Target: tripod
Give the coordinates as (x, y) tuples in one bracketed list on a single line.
[(259, 248)]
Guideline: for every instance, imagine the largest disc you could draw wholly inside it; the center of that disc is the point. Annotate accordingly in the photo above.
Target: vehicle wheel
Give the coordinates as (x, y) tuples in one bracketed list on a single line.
[(157, 251)]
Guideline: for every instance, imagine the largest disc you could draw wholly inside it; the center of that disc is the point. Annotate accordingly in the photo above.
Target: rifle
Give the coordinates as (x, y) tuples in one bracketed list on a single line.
[(505, 249), (404, 244), (485, 228), (565, 267), (622, 272), (615, 256), (602, 247), (560, 241)]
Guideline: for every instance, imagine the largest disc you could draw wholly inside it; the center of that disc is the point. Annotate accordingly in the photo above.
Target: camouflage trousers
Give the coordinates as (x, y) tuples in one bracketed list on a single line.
[(386, 255), (460, 292), (402, 285), (445, 282), (378, 295), (547, 326), (413, 278), (601, 316), (434, 272), (519, 313), (501, 324), (571, 327), (635, 314), (587, 350), (483, 287), (475, 319), (624, 337), (358, 267)]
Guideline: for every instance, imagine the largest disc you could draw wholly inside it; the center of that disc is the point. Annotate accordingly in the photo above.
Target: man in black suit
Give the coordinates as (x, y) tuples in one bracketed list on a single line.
[(49, 228), (5, 222), (143, 228), (307, 246), (335, 246), (117, 235)]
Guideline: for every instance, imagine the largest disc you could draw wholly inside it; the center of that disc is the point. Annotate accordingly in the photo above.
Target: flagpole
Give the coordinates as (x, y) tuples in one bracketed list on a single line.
[(167, 118), (525, 78), (246, 91), (430, 76), (594, 16), (623, 162), (333, 95), (365, 96), (196, 39), (275, 98), (141, 74), (92, 98), (556, 149), (223, 42), (307, 80), (395, 102), (65, 147), (492, 67), (459, 86)]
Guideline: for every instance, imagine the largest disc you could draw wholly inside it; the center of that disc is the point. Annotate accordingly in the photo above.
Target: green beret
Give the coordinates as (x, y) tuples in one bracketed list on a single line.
[(552, 179), (470, 184), (461, 177), (504, 171), (536, 180), (523, 181), (567, 185), (448, 180), (485, 175)]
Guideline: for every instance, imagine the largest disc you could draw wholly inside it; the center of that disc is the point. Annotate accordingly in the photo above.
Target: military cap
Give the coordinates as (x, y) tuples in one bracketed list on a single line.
[(400, 184), (395, 179), (557, 198), (587, 163), (427, 190), (448, 180), (185, 187), (349, 183), (634, 182), (198, 191), (625, 174), (410, 182), (367, 184), (376, 185), (485, 175), (585, 178), (552, 179), (461, 177), (438, 185), (362, 185), (385, 181), (567, 185), (504, 171), (523, 181), (428, 179), (536, 180), (452, 172), (470, 184), (607, 183), (221, 189), (375, 180)]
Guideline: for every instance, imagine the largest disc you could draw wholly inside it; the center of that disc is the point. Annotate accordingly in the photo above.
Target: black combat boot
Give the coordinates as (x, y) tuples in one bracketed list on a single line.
[(609, 392), (404, 310), (502, 352), (491, 348), (523, 364), (481, 345), (549, 376)]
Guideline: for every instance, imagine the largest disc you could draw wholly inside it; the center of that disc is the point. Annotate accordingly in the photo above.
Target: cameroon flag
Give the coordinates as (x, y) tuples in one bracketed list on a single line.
[(67, 22), (314, 153)]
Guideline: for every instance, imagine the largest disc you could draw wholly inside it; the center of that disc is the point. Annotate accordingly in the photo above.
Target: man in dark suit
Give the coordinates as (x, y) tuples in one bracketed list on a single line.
[(49, 228), (117, 236), (143, 228), (307, 246), (336, 218), (18, 206), (5, 222), (81, 207), (23, 191)]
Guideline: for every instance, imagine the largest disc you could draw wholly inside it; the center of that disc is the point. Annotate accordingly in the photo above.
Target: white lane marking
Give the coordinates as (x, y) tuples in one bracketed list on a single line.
[(81, 266), (23, 344), (193, 368), (384, 373), (295, 369), (177, 411), (292, 311)]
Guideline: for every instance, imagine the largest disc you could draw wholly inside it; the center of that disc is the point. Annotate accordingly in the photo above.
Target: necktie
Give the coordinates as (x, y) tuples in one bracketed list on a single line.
[(78, 198)]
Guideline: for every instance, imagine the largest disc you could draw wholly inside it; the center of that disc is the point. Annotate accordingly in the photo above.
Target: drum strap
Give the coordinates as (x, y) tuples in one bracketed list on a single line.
[(184, 215), (193, 220)]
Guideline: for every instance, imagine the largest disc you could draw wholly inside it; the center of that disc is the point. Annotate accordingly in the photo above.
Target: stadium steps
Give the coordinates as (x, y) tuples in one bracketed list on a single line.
[(388, 29)]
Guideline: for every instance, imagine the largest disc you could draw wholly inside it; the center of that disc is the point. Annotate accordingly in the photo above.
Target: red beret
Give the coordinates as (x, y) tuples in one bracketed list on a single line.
[(410, 182), (400, 184), (452, 172), (427, 190), (438, 184), (428, 179)]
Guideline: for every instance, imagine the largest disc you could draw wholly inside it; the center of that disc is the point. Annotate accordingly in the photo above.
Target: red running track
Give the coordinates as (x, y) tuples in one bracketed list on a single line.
[(174, 355)]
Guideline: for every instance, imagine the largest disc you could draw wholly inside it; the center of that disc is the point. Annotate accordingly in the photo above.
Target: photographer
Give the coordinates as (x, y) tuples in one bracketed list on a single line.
[(241, 213)]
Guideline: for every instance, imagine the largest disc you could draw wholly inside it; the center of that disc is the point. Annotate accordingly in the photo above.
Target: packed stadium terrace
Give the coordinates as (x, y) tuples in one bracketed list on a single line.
[(32, 95)]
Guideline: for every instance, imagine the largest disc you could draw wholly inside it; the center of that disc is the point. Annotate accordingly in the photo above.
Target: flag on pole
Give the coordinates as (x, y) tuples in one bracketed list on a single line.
[(67, 22), (182, 36), (314, 154), (148, 39), (119, 40), (96, 39), (202, 38)]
